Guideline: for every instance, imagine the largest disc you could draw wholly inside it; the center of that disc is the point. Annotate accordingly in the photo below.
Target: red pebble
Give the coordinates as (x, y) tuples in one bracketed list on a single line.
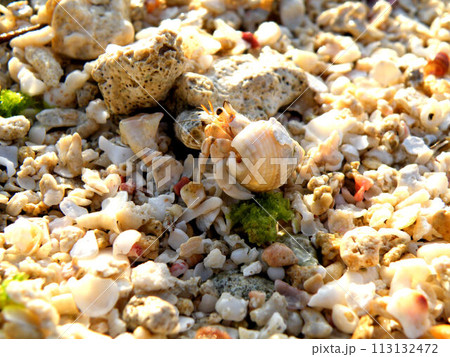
[(178, 268), (136, 250), (362, 184), (178, 186), (151, 5), (251, 39), (438, 67), (128, 186)]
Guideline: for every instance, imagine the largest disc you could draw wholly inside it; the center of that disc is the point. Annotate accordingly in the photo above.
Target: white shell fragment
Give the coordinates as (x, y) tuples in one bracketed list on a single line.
[(8, 159), (94, 296), (117, 154), (86, 247)]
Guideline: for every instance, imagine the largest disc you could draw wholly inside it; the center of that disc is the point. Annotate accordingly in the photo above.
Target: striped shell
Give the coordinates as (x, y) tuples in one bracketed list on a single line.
[(270, 149)]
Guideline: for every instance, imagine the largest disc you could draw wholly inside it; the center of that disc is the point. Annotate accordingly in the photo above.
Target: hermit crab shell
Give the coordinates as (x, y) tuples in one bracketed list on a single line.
[(268, 155), (190, 128)]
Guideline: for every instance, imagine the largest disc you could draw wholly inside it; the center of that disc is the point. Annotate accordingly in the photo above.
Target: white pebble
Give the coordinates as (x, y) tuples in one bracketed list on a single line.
[(203, 272), (416, 146), (410, 308), (34, 38), (24, 235), (291, 13), (168, 256), (151, 276), (215, 259), (433, 250), (207, 304), (244, 255), (37, 134), (8, 159), (306, 60), (275, 273), (97, 111), (268, 33), (70, 209), (185, 323), (274, 326), (294, 323), (231, 308), (252, 269), (176, 238)]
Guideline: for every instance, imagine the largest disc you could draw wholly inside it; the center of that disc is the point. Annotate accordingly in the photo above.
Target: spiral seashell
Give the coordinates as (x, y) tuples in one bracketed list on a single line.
[(268, 144), (438, 66)]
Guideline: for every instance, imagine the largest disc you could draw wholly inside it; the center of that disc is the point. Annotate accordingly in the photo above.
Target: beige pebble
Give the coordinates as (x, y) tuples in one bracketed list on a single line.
[(193, 246), (313, 284), (278, 255)]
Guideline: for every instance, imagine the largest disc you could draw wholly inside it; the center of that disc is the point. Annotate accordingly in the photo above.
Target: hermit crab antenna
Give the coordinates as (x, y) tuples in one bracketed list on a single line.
[(211, 106), (209, 110)]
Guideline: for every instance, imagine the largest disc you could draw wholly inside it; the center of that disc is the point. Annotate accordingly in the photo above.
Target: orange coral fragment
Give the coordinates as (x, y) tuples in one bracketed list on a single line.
[(362, 184), (212, 333)]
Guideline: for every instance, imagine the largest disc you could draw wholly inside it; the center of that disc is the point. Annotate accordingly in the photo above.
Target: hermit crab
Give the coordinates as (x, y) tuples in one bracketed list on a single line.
[(248, 156)]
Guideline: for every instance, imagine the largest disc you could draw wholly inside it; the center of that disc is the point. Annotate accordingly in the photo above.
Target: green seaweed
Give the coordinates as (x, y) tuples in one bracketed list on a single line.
[(258, 219), (5, 300)]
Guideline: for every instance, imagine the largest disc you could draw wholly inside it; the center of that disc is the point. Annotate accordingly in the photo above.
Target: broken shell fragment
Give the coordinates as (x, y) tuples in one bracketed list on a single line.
[(410, 308), (139, 132)]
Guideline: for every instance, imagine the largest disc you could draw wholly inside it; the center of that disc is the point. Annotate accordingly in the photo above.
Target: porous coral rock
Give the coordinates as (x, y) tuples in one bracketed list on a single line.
[(151, 276), (350, 17), (14, 127), (141, 74), (44, 62), (151, 312), (83, 28), (70, 157), (257, 87), (359, 248)]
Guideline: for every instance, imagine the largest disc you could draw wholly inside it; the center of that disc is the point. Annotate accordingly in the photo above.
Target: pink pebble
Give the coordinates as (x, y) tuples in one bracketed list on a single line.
[(178, 268)]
